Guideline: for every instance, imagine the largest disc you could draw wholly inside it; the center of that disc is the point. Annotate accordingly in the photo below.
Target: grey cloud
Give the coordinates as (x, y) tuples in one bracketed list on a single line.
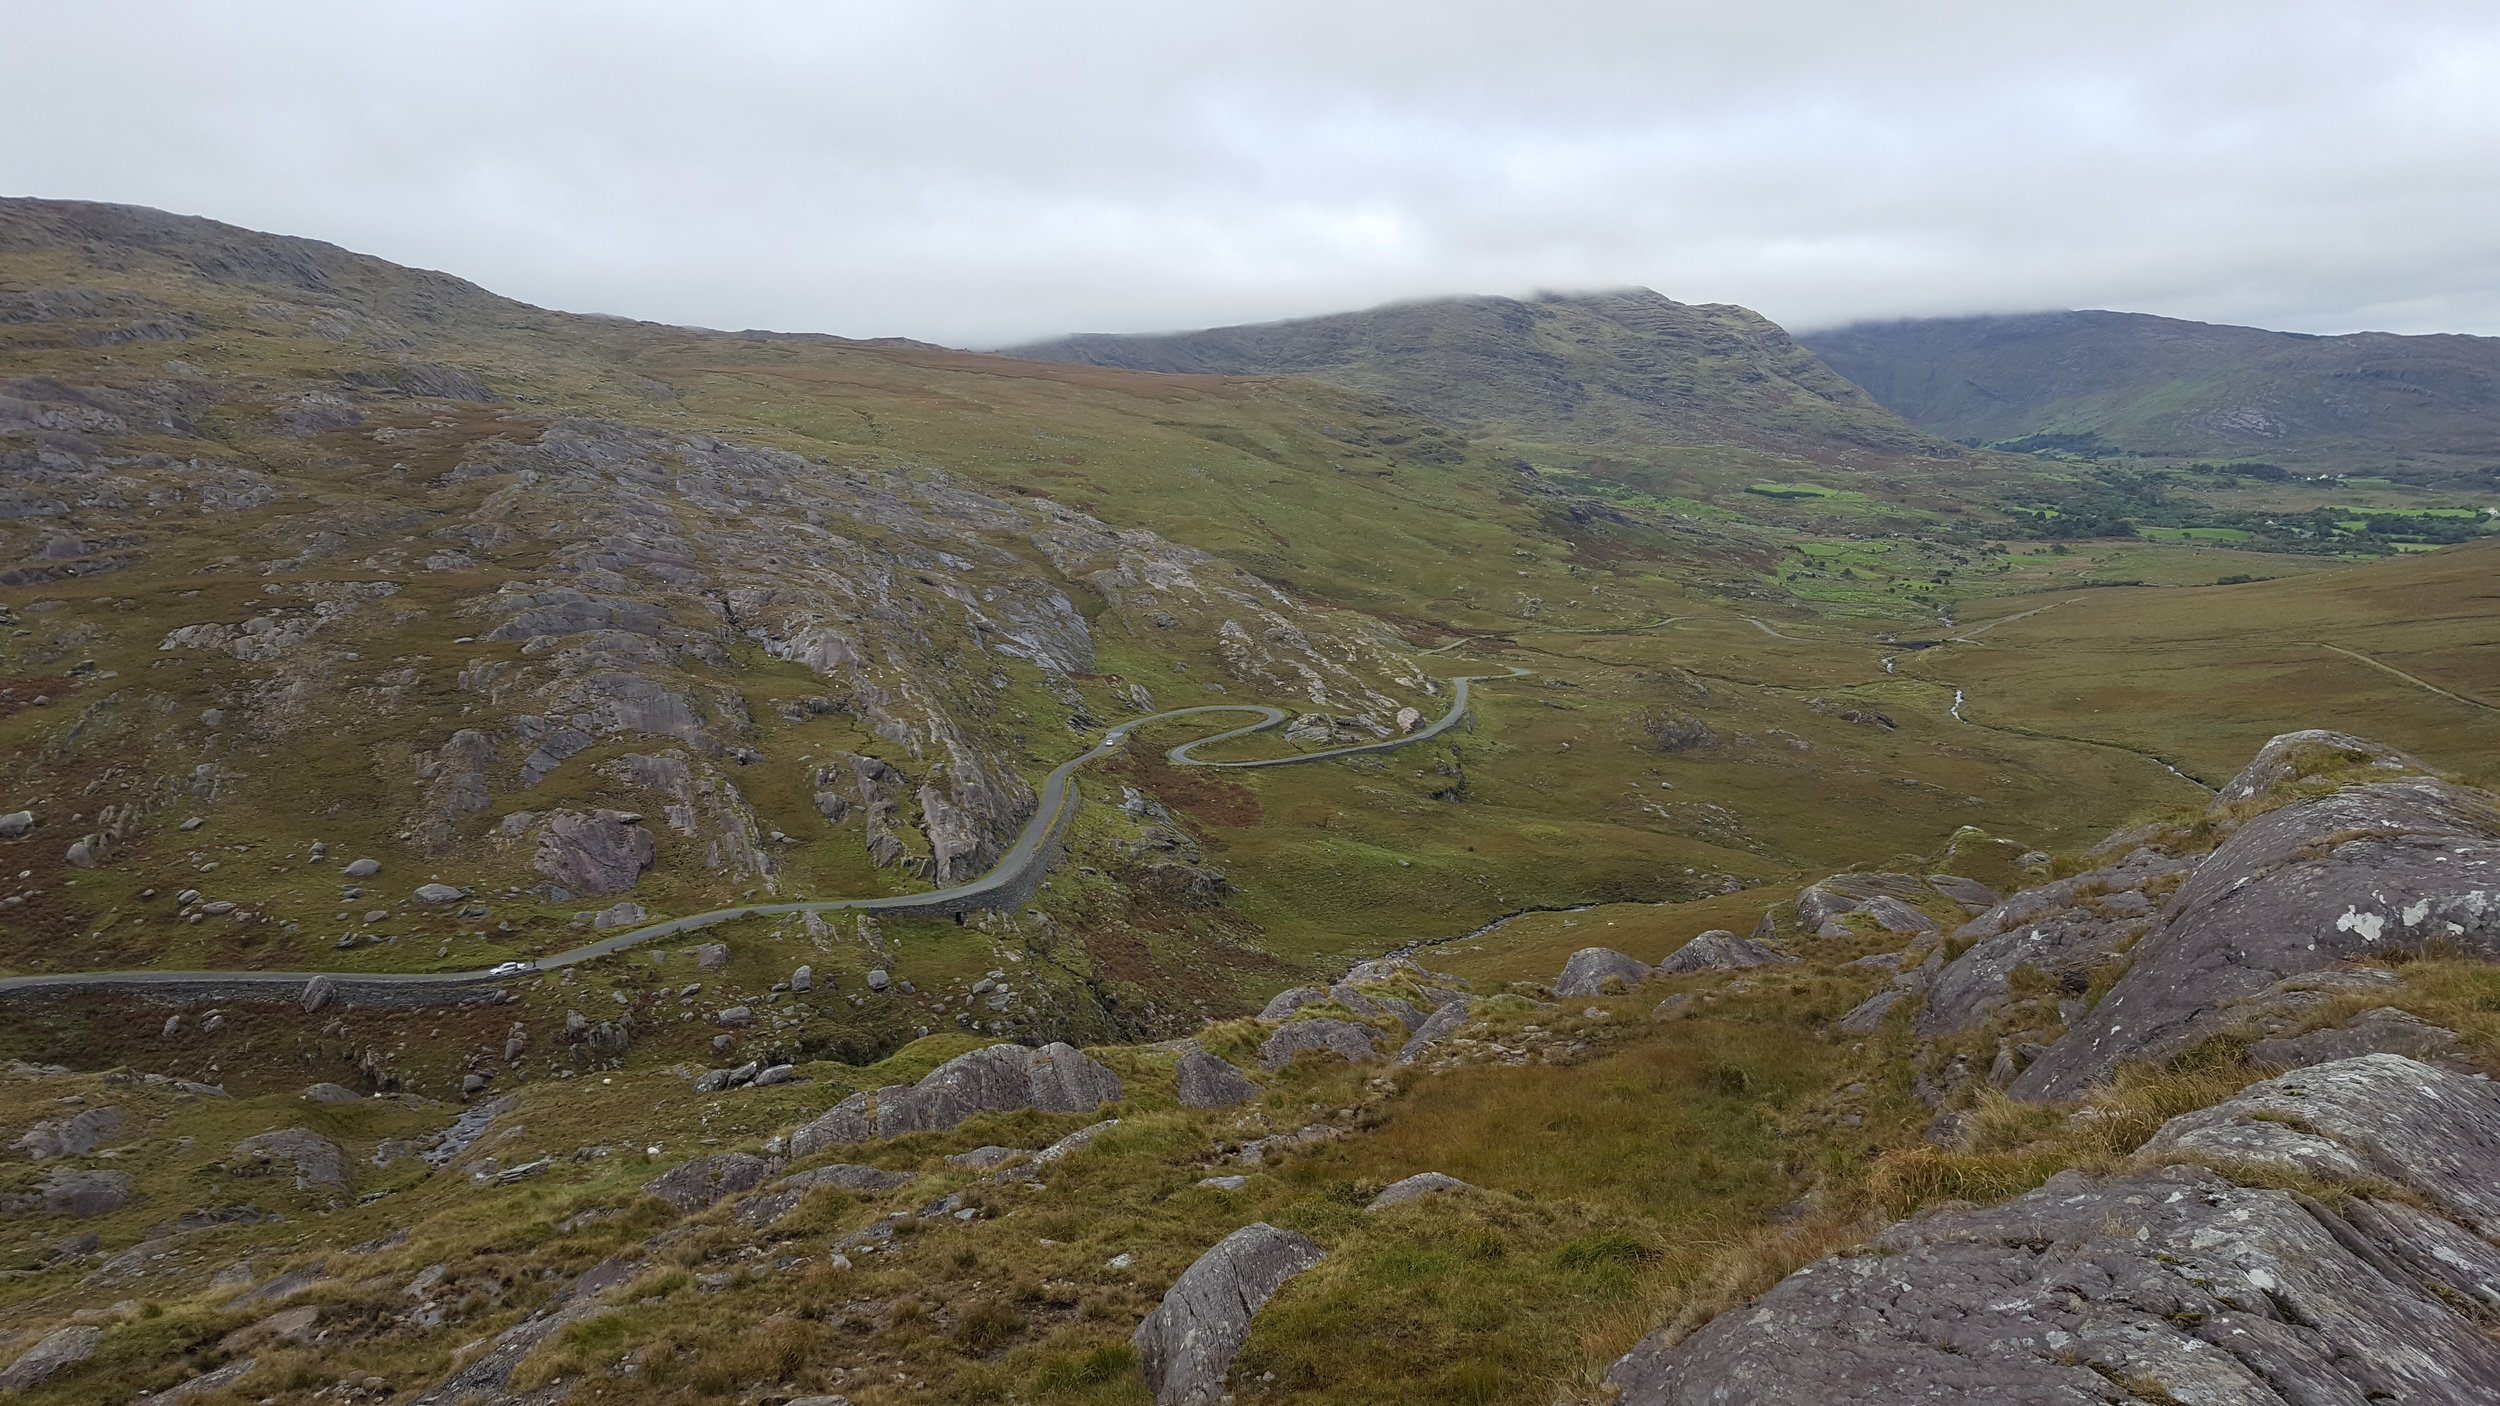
[(981, 173)]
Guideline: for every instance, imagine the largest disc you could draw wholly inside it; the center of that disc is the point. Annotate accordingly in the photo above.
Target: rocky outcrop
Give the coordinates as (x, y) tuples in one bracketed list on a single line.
[(74, 1136), (1450, 1016), (600, 853), (2370, 870), (2066, 931), (2375, 1117), (2166, 1285), (1721, 950), (1208, 1082), (1342, 1038), (309, 1160), (691, 1186), (85, 1194), (60, 1349), (1588, 971), (1056, 1078), (1188, 1343)]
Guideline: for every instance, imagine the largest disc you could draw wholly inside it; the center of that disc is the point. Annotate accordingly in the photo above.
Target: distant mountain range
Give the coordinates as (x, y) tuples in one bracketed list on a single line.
[(2417, 407), (1620, 368)]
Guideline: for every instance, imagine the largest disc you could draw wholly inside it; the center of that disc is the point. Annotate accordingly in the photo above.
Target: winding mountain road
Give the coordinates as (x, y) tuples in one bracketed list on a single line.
[(1023, 862)]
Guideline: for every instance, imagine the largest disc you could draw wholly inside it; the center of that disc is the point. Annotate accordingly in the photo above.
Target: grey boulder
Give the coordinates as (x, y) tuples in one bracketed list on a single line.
[(1283, 1004), (1590, 968), (307, 1158), (691, 1186), (67, 1192), (1185, 1347), (1721, 950), (1208, 1082), (16, 823), (362, 868), (61, 1348), (438, 895), (1422, 1184), (1342, 1038), (74, 1136)]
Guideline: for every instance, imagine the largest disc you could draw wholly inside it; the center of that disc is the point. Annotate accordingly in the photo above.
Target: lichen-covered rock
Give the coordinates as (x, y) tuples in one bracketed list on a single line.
[(2172, 1285), (1342, 1038), (2371, 870), (1208, 1082), (308, 1159), (1188, 1343), (1721, 950), (1896, 916), (691, 1186), (1589, 969), (2379, 1116)]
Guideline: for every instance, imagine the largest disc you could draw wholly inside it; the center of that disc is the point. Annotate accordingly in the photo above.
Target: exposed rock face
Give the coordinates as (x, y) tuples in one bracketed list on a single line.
[(2089, 1291), (307, 1158), (1208, 1082), (1000, 1078), (2380, 1115), (2065, 930), (2291, 755), (694, 1185), (2372, 869), (1422, 1184), (1590, 968), (1720, 950), (600, 853), (1843, 894), (60, 1349), (1188, 1343), (1342, 1038)]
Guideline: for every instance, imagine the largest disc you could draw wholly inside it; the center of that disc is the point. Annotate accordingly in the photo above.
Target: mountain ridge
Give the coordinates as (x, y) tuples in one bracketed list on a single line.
[(2420, 406), (1624, 367)]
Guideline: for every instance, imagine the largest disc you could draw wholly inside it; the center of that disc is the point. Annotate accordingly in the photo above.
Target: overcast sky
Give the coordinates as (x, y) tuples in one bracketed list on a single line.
[(976, 174)]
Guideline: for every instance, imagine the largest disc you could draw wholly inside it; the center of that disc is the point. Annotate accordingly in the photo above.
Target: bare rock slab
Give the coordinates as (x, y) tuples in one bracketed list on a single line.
[(2170, 1285), (2377, 1115), (1188, 1343)]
